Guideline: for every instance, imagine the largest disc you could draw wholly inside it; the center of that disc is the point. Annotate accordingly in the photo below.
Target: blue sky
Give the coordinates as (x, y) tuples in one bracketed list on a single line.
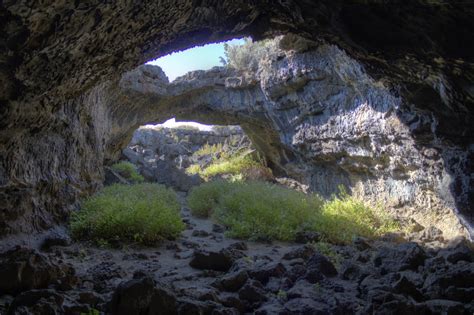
[(197, 58)]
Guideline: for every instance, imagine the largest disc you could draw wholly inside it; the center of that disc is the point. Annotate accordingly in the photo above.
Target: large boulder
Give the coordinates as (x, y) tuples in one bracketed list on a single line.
[(23, 269), (132, 297), (407, 256)]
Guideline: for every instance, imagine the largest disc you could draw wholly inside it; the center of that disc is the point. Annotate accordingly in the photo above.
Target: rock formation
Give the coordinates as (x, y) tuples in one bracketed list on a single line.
[(377, 97), (163, 154)]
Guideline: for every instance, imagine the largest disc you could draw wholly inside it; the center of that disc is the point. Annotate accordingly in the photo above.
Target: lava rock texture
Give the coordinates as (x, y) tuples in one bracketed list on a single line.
[(376, 97)]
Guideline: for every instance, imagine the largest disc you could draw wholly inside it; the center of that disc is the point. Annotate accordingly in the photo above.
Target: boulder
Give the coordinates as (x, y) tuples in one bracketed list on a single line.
[(320, 263), (253, 292), (233, 281), (445, 307), (41, 302), (56, 237), (400, 257), (132, 297), (24, 269), (214, 260), (262, 271), (305, 252), (306, 306)]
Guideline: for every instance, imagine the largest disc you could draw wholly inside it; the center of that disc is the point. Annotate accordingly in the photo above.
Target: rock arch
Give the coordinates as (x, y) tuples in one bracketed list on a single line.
[(65, 110)]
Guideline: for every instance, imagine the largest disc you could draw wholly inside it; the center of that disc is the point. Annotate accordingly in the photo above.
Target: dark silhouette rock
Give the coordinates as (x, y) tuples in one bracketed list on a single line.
[(56, 238), (233, 281), (321, 264), (304, 252), (453, 283), (219, 261), (253, 292), (262, 271), (133, 297), (37, 302), (24, 269), (304, 237), (401, 257)]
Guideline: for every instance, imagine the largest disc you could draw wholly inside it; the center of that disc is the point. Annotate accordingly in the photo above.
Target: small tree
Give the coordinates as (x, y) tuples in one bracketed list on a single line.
[(247, 56)]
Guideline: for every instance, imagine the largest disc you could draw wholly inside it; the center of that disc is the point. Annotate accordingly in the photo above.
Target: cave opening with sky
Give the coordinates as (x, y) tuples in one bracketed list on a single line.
[(236, 157)]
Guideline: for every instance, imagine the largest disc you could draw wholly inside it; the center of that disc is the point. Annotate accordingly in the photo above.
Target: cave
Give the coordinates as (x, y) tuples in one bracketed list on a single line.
[(375, 97)]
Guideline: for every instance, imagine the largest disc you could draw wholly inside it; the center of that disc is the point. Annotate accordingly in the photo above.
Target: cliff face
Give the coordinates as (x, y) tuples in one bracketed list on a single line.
[(381, 100)]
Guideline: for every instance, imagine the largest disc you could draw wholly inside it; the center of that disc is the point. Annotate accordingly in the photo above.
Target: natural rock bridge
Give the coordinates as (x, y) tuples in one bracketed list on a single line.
[(370, 102), (376, 97)]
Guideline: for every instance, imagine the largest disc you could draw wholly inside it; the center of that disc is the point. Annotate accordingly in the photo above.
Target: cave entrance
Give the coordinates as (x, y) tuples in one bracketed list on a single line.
[(184, 154), (186, 86)]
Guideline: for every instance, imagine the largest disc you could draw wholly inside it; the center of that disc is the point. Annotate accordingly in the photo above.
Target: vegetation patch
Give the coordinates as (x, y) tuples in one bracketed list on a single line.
[(344, 217), (205, 198), (261, 211), (240, 165), (208, 149), (247, 56), (128, 171), (142, 213)]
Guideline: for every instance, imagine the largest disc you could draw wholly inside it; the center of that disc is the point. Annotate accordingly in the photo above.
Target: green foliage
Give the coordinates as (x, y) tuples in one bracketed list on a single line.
[(242, 164), (246, 57), (203, 199), (233, 165), (344, 217), (194, 169), (259, 210), (128, 171), (143, 213), (255, 210), (208, 149)]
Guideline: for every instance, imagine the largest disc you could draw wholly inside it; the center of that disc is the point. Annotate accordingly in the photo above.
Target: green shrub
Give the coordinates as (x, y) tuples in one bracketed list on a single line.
[(344, 217), (259, 210), (247, 56), (203, 199), (232, 165), (242, 164), (144, 213), (208, 149), (194, 169), (128, 171)]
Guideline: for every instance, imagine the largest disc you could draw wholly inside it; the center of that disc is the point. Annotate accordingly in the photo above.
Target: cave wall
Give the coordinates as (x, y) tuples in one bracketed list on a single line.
[(317, 116), (58, 125)]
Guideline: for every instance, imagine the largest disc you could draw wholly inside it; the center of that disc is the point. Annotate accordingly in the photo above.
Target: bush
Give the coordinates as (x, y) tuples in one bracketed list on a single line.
[(246, 57), (208, 149), (344, 217), (242, 164), (259, 210), (203, 199), (144, 213), (128, 171), (263, 211), (233, 165)]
